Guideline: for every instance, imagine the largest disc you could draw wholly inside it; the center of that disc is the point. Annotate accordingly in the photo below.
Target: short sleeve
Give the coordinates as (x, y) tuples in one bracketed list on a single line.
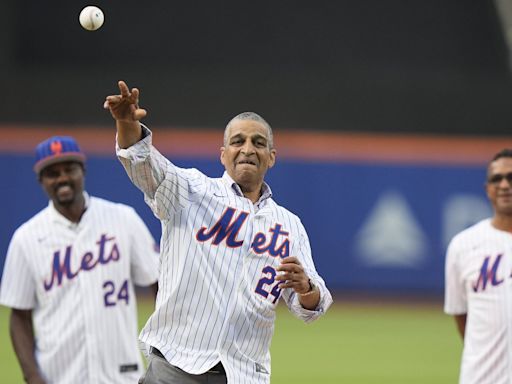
[(455, 302), (18, 288), (144, 255)]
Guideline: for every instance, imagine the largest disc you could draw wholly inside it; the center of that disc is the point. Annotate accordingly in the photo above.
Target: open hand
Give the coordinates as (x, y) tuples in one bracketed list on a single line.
[(125, 107)]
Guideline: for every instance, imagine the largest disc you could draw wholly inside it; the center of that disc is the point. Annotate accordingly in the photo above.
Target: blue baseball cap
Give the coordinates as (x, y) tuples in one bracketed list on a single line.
[(57, 149)]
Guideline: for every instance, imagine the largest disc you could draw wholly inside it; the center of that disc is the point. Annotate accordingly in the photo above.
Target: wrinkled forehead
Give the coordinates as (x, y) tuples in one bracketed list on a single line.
[(247, 128), (502, 165)]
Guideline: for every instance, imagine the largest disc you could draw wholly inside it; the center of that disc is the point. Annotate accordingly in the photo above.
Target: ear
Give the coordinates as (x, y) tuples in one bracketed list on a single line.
[(487, 188), (272, 158), (222, 150)]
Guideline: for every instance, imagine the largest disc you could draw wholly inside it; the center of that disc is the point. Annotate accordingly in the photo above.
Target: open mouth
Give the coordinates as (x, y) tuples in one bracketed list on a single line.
[(65, 188), (250, 162)]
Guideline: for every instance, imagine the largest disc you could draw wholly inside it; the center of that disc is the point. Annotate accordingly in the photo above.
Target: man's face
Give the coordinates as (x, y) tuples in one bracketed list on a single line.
[(499, 185), (247, 155), (63, 182)]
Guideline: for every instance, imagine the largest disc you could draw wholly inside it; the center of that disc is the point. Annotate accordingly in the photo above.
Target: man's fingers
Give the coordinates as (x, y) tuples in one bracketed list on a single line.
[(111, 101), (290, 276), (132, 96), (123, 88), (135, 95), (296, 268), (126, 105), (286, 285), (290, 260), (139, 114)]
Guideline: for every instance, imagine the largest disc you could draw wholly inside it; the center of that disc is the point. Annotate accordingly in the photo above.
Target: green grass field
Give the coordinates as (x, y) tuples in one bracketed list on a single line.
[(353, 343)]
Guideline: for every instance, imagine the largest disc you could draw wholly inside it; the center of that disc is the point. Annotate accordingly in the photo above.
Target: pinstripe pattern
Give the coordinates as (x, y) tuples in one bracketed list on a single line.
[(207, 307), (485, 297), (80, 339)]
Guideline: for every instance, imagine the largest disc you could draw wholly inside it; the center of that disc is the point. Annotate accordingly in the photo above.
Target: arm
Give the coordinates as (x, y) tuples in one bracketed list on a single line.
[(148, 169), (154, 290), (22, 336), (304, 301), (460, 320), (124, 108), (455, 295), (144, 253)]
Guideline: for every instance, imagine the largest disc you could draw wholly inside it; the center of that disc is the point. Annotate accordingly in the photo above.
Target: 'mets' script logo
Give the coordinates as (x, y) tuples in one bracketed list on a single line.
[(227, 228), (489, 274), (106, 252)]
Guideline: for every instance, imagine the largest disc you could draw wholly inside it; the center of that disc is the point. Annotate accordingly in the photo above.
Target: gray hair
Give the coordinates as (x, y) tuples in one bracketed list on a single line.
[(254, 117)]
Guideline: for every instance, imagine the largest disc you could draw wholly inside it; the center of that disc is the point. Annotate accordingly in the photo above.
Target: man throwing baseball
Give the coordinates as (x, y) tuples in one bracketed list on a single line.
[(479, 283), (69, 277), (229, 253)]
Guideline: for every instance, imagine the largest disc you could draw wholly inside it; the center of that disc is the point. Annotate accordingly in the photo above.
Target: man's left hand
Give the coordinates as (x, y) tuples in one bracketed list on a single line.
[(292, 275)]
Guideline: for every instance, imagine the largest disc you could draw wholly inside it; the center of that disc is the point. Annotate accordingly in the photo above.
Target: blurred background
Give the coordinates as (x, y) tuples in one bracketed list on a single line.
[(377, 66), (385, 113)]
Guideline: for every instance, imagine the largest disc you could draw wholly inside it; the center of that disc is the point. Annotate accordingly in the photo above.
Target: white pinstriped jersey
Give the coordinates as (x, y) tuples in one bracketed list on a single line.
[(219, 252), (78, 280), (479, 284)]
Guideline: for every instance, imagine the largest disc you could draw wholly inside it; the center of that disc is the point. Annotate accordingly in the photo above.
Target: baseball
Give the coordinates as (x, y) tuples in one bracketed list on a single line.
[(91, 18)]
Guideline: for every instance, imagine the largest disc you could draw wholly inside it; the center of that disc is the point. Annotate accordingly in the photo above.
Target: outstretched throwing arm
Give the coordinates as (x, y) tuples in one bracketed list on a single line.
[(125, 110)]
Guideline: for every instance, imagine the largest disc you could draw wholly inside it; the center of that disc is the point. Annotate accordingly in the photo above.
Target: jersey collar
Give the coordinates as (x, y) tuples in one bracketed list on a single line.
[(56, 216), (266, 192)]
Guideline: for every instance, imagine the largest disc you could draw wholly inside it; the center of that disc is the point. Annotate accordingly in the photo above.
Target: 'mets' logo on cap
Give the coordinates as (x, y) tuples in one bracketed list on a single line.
[(56, 147)]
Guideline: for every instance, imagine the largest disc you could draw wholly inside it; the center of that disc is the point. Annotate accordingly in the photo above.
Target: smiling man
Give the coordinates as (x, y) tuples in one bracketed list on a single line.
[(229, 253), (248, 152), (69, 277), (479, 286)]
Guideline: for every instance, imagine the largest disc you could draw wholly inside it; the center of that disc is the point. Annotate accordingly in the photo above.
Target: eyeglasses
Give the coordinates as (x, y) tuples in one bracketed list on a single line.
[(498, 177)]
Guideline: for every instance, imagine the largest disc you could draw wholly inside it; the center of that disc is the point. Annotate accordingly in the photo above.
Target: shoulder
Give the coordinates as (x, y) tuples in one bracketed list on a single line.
[(190, 173), (274, 205), (26, 231), (473, 235), (99, 204), (285, 213), (194, 179), (40, 218)]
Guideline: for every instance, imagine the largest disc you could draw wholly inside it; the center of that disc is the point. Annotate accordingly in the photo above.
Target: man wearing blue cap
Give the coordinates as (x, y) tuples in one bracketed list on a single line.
[(69, 278)]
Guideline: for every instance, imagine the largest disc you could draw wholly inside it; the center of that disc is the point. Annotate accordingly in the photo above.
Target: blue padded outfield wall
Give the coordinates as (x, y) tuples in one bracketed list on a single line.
[(373, 227)]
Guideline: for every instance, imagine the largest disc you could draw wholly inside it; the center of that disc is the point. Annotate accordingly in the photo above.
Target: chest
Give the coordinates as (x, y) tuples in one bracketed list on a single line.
[(486, 270), (239, 225), (63, 254)]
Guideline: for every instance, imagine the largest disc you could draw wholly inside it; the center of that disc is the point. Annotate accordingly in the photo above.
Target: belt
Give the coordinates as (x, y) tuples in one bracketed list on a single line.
[(218, 368)]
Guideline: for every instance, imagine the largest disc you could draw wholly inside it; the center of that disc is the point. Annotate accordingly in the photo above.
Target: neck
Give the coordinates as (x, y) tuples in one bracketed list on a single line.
[(74, 211), (252, 194), (503, 223)]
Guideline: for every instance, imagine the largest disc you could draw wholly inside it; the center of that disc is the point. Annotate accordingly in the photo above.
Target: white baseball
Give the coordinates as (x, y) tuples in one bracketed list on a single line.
[(91, 18)]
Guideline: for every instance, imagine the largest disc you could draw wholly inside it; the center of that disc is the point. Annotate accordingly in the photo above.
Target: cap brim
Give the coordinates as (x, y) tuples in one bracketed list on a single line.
[(58, 158)]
